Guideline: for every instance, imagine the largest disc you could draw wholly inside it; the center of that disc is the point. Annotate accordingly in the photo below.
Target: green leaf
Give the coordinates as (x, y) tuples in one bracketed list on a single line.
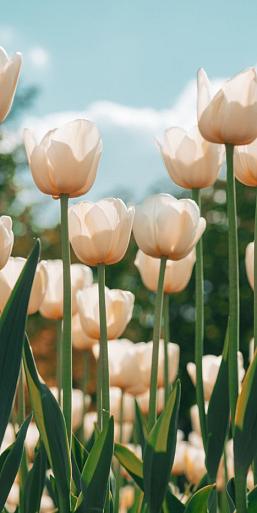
[(132, 464), (159, 452), (198, 503), (12, 328), (52, 429), (230, 492), (35, 482), (245, 439), (252, 501), (218, 417), (96, 472), (12, 463), (140, 426), (78, 459), (172, 504)]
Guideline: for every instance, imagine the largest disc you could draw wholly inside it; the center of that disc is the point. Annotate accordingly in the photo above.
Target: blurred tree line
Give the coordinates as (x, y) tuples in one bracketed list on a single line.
[(125, 275)]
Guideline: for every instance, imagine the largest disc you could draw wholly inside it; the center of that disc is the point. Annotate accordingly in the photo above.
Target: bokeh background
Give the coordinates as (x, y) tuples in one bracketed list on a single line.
[(130, 67)]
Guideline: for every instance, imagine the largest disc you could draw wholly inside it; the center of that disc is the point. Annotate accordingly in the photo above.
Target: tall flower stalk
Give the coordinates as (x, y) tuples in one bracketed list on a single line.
[(66, 341), (103, 357), (233, 324), (199, 326), (156, 343), (166, 339)]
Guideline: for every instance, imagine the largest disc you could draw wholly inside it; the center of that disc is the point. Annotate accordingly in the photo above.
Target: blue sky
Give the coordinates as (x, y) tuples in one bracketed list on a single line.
[(130, 66)]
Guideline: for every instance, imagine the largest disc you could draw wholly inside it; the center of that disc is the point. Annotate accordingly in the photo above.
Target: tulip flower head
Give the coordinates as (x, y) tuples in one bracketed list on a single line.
[(6, 239), (52, 305), (230, 116), (177, 273), (9, 75), (167, 227), (245, 164), (100, 232), (119, 308), (191, 161), (249, 263), (66, 159), (10, 273), (80, 341)]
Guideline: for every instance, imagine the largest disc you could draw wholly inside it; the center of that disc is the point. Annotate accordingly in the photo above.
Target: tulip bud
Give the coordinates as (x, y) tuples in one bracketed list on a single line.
[(194, 464), (80, 340), (66, 159), (167, 227), (10, 274), (100, 232), (6, 239), (245, 164), (52, 305), (9, 74), (143, 401), (119, 307), (249, 263), (230, 116), (177, 273), (211, 365), (191, 161)]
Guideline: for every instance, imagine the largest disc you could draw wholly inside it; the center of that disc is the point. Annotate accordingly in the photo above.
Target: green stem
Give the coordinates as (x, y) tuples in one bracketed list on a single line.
[(59, 360), (241, 497), (199, 326), (104, 365), (84, 385), (166, 340), (233, 323), (255, 313), (20, 418), (99, 392), (156, 343), (118, 474), (66, 341)]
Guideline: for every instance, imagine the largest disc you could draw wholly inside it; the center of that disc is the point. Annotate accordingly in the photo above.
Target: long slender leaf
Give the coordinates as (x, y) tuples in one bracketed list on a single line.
[(252, 501), (12, 328), (160, 451), (12, 463), (132, 464), (198, 503), (52, 429), (218, 417), (35, 482)]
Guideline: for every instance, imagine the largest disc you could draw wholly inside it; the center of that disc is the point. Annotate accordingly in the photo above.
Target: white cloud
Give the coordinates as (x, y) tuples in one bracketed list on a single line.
[(38, 56)]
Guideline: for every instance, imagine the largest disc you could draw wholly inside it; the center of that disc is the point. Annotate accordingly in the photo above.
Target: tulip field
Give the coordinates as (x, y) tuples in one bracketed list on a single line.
[(117, 445)]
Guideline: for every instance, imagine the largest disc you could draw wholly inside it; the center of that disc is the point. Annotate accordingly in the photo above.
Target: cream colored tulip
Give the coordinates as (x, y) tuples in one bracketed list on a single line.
[(100, 232), (177, 273), (66, 159), (178, 467), (128, 405), (249, 263), (211, 365), (10, 273), (6, 239), (173, 357), (127, 498), (230, 116), (195, 419), (119, 308), (144, 398), (194, 464), (79, 400), (9, 75), (80, 340), (90, 420), (167, 227), (52, 305), (191, 161), (245, 164)]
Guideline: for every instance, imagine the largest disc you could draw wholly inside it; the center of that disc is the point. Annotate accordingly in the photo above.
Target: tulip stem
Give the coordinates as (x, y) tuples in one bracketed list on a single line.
[(104, 365), (166, 315), (233, 322), (156, 343), (118, 474), (241, 493), (199, 326), (20, 418), (59, 360), (66, 341)]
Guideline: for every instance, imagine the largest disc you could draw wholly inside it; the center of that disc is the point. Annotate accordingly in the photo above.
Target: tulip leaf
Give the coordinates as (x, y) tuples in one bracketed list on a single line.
[(132, 464), (12, 462), (96, 471), (198, 503), (160, 451), (35, 482), (12, 328), (52, 429), (172, 504), (78, 459), (218, 417), (230, 493), (245, 440), (252, 501), (140, 426)]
